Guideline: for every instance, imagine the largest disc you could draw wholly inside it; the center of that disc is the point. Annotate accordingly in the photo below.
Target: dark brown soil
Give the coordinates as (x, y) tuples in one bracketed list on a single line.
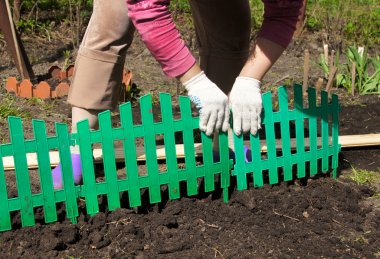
[(323, 218), (310, 218)]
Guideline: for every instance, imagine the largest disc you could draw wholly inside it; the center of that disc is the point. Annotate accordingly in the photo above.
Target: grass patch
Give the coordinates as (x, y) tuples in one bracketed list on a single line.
[(375, 196), (355, 21), (362, 176), (44, 105), (8, 107), (344, 22)]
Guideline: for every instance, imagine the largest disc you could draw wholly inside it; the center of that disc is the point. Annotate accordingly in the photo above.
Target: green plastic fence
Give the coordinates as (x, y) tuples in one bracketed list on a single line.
[(274, 165)]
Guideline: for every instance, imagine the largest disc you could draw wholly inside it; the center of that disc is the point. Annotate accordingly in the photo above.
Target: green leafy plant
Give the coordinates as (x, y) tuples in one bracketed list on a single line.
[(66, 61), (325, 66), (367, 72), (28, 26), (257, 11), (313, 23), (129, 93)]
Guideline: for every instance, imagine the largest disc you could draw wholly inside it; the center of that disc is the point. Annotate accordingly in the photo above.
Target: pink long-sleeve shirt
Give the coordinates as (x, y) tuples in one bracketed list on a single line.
[(154, 23)]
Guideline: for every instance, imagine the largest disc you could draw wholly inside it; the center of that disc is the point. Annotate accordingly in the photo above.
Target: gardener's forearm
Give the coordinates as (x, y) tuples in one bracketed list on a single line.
[(156, 27), (193, 71), (264, 55)]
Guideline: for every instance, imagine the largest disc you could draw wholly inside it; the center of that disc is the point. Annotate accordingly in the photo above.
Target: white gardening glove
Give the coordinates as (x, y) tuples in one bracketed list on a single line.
[(246, 104), (211, 101)]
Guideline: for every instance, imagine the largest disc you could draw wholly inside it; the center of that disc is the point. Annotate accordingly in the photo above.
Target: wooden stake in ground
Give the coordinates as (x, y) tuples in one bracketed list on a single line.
[(306, 68), (330, 82), (332, 61), (326, 53), (319, 85), (353, 78)]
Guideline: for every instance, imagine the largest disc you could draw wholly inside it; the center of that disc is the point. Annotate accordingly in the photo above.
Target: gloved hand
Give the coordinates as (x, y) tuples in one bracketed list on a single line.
[(246, 104), (211, 102)]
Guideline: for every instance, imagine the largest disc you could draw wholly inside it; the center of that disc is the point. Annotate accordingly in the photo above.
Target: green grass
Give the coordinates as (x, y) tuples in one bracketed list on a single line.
[(362, 176), (44, 105), (8, 107), (345, 22), (352, 22), (375, 196)]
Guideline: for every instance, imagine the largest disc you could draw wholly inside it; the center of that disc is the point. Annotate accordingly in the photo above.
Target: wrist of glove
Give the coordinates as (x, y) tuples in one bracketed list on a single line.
[(211, 102), (246, 105)]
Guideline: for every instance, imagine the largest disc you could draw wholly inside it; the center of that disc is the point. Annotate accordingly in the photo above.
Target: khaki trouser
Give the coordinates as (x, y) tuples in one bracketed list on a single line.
[(223, 34)]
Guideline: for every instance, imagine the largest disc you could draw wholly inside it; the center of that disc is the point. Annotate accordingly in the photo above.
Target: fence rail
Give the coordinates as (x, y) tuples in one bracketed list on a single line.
[(275, 165)]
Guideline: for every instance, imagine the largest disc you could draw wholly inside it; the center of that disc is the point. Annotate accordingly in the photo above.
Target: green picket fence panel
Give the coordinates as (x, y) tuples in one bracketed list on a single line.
[(282, 163), (264, 170)]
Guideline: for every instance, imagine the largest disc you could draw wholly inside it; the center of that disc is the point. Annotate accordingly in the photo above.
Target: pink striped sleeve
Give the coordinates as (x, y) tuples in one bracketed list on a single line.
[(280, 19), (154, 23)]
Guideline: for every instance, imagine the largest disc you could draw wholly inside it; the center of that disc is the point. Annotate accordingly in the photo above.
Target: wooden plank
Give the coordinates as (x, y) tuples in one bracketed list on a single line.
[(348, 141), (14, 44)]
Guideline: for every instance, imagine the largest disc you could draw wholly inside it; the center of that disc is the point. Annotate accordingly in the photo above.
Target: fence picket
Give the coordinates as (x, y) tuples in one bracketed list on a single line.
[(5, 217), (300, 133), (169, 140), (240, 170), (335, 134), (285, 132), (67, 171), (88, 170), (108, 151), (130, 155), (44, 169), (22, 172), (270, 137), (188, 141), (208, 165), (313, 130), (226, 162), (258, 179), (150, 148), (325, 131)]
